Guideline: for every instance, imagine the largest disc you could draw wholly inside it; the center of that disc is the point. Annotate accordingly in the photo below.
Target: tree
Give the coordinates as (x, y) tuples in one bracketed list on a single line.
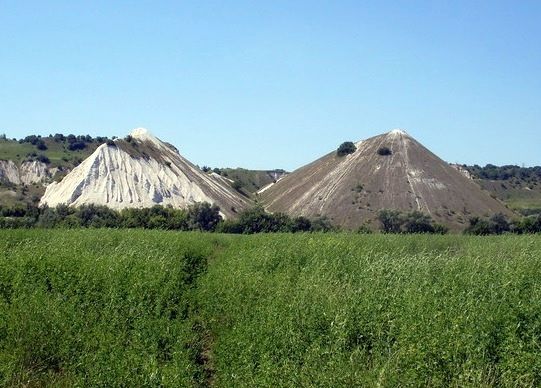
[(499, 224), (391, 221), (204, 216), (417, 222), (346, 148)]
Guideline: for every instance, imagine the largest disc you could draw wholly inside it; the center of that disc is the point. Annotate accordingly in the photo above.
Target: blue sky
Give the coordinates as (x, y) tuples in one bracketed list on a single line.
[(277, 84)]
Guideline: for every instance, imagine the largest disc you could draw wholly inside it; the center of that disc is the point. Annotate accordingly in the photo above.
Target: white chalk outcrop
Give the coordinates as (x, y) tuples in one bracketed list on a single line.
[(140, 173), (29, 172)]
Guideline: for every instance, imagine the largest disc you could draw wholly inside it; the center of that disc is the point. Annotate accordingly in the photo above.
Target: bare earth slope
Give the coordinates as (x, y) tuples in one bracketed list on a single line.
[(351, 189), (141, 172)]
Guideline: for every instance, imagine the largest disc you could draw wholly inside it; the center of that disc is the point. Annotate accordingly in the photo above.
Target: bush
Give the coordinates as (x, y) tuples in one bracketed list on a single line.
[(43, 159), (204, 216), (496, 224), (77, 145), (393, 221), (41, 145), (346, 148), (384, 151)]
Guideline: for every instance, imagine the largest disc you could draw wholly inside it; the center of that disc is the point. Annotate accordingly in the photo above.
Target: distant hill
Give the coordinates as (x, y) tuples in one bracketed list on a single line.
[(389, 171), (249, 182), (518, 187), (140, 170), (27, 164)]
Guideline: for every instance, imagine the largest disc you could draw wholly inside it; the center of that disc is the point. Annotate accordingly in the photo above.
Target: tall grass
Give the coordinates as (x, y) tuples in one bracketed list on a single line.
[(346, 310), (149, 308), (98, 308)]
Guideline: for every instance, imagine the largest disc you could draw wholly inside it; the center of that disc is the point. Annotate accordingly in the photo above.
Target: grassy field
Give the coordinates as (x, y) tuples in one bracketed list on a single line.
[(151, 308)]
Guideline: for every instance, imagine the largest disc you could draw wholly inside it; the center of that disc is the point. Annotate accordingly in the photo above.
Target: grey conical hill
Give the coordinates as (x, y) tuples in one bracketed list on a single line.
[(351, 189)]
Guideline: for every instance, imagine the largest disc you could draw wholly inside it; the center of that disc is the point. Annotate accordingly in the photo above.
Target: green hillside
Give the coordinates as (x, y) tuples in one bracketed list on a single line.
[(248, 181), (57, 151), (153, 308), (518, 187)]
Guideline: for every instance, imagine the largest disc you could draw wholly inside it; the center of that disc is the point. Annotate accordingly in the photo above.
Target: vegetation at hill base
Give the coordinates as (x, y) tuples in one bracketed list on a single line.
[(197, 217), (207, 218), (161, 308), (394, 221)]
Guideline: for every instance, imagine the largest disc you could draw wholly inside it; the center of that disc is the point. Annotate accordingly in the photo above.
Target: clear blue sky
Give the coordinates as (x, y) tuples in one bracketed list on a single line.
[(276, 84)]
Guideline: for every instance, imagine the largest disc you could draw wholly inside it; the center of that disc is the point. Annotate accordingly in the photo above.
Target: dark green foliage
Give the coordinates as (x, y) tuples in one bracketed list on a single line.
[(496, 224), (493, 172), (530, 224), (203, 216), (384, 151), (346, 148), (322, 224), (78, 145), (110, 143), (40, 145), (237, 185), (257, 220), (393, 221), (43, 159)]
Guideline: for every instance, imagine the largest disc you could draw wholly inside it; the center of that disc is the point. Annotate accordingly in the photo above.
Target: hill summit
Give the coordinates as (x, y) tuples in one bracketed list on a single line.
[(141, 171), (389, 171)]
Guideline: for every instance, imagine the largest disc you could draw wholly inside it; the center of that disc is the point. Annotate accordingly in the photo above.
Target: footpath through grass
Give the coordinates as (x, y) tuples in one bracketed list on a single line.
[(150, 308)]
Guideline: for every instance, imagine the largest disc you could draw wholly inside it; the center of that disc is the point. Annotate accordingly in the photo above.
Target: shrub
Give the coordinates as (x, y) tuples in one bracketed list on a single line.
[(346, 148), (393, 221), (384, 151), (43, 159), (496, 224), (41, 145)]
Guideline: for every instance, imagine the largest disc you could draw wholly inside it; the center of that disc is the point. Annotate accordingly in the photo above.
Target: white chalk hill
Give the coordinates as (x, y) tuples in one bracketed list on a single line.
[(140, 173)]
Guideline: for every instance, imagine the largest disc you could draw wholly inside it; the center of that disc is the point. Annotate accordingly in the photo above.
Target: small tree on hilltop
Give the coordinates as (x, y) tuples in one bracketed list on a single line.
[(346, 148)]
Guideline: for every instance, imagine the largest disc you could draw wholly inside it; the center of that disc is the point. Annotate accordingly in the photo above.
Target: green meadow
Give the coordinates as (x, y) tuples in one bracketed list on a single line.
[(134, 308)]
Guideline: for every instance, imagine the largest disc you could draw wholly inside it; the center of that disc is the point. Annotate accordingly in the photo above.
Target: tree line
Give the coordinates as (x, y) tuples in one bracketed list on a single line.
[(200, 216), (493, 172), (206, 217)]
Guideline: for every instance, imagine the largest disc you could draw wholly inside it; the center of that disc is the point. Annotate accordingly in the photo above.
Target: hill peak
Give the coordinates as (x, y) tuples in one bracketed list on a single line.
[(144, 135), (397, 131)]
